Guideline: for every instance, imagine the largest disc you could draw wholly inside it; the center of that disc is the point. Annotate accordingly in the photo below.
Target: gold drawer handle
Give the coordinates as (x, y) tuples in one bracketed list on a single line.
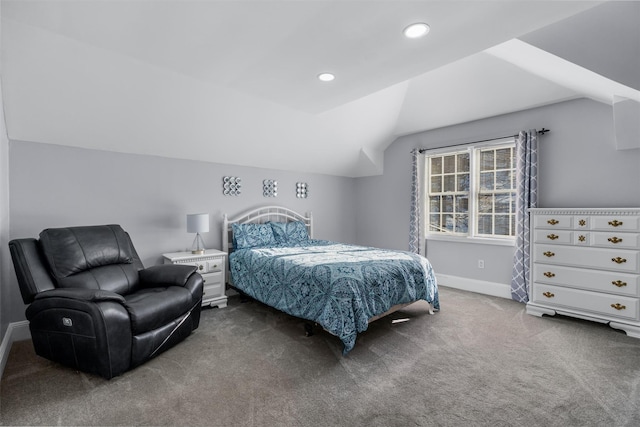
[(549, 274), (615, 223), (619, 283), (618, 260), (618, 306), (582, 238), (552, 236), (552, 222), (548, 294), (582, 223), (614, 240), (550, 254)]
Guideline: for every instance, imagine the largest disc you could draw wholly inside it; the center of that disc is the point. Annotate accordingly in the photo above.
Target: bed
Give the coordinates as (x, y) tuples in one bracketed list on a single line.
[(274, 259)]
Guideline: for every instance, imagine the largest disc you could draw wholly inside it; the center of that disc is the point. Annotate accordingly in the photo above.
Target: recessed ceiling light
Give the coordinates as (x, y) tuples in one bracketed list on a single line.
[(326, 77), (416, 30)]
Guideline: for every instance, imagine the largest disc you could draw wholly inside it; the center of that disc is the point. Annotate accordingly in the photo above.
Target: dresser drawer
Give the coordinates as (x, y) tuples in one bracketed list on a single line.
[(603, 239), (577, 299), (562, 237), (593, 280), (616, 240), (605, 259), (553, 221), (617, 223)]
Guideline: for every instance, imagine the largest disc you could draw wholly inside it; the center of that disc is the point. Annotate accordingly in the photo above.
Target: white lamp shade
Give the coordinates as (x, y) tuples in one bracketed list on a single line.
[(198, 223)]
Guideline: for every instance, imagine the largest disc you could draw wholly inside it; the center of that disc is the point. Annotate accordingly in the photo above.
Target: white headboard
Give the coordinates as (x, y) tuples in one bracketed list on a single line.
[(260, 216)]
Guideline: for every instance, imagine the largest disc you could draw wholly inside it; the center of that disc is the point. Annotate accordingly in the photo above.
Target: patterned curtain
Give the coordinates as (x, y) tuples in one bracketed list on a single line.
[(526, 197), (417, 215)]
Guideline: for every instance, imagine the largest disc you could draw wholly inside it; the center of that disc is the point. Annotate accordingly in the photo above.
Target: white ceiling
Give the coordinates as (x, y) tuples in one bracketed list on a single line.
[(235, 81)]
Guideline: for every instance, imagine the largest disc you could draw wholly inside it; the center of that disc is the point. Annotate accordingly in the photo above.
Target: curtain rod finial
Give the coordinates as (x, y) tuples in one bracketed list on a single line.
[(543, 131)]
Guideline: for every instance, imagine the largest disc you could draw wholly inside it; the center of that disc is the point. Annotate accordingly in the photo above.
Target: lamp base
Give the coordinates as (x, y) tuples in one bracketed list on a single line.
[(198, 245)]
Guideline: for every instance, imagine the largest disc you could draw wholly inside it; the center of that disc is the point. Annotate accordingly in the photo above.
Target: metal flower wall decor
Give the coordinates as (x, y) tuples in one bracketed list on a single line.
[(302, 190), (270, 188), (231, 186)]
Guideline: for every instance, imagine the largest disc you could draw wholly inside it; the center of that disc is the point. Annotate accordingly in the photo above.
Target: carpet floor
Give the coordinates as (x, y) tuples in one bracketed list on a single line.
[(480, 361)]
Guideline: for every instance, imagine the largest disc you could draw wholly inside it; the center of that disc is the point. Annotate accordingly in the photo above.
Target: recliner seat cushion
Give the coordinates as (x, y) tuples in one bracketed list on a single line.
[(152, 308)]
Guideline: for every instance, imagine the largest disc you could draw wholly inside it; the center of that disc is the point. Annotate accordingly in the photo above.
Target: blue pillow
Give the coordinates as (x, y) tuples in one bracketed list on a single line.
[(290, 233), (252, 235)]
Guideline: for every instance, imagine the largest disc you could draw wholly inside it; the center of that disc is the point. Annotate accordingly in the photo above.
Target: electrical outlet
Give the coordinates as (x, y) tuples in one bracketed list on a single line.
[(480, 263)]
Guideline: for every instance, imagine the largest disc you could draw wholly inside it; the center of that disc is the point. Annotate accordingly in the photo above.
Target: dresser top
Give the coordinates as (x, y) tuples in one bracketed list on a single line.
[(586, 211)]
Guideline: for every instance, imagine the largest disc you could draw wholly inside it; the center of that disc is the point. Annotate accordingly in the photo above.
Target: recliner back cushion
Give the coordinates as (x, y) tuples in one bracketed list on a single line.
[(93, 257)]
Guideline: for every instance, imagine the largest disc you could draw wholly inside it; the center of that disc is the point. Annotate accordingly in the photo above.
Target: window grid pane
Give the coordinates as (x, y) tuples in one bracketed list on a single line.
[(448, 207), (496, 197)]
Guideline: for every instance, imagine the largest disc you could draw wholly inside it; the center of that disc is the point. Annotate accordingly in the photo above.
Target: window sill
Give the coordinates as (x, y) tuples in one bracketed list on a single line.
[(474, 240)]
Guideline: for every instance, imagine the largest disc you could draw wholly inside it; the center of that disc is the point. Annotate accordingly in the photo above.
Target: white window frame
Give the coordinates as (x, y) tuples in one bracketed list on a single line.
[(474, 161)]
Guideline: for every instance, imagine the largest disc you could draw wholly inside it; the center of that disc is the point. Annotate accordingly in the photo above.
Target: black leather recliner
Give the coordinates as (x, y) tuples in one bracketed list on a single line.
[(94, 307)]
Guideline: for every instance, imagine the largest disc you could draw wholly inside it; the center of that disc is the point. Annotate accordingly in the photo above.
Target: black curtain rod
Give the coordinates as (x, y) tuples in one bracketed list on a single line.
[(422, 150)]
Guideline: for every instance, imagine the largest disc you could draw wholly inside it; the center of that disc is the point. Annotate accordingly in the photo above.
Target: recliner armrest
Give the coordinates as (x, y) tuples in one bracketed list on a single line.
[(166, 275), (30, 267), (92, 295)]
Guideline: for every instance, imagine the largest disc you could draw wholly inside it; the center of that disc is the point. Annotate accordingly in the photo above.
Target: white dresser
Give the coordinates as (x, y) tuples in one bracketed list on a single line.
[(211, 266), (586, 263)]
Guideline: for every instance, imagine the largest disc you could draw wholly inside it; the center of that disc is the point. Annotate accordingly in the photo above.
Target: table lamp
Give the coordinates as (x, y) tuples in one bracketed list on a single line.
[(198, 223)]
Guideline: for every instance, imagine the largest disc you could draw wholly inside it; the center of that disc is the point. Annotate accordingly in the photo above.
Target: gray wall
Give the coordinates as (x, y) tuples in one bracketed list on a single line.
[(55, 186), (579, 167)]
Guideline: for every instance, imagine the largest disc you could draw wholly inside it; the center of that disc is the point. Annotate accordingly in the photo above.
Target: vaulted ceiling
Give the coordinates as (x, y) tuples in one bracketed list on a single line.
[(235, 81)]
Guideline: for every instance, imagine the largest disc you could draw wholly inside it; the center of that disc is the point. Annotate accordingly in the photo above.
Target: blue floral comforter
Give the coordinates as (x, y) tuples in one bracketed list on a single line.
[(336, 285)]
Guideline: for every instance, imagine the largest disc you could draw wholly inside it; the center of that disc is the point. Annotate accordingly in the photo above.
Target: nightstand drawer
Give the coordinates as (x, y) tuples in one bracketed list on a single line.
[(216, 264), (610, 305), (212, 278), (205, 267), (212, 291)]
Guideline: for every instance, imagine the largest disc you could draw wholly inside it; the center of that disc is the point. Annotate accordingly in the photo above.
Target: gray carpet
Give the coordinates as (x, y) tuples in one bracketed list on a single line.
[(481, 361)]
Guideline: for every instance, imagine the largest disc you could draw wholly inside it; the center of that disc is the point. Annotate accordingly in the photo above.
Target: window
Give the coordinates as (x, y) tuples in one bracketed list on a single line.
[(471, 191)]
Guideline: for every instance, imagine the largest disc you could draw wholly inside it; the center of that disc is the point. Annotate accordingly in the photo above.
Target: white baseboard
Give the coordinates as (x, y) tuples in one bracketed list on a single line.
[(17, 331), (480, 286)]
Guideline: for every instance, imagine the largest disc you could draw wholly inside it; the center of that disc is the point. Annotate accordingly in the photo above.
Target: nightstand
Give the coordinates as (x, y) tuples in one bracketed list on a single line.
[(211, 266)]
